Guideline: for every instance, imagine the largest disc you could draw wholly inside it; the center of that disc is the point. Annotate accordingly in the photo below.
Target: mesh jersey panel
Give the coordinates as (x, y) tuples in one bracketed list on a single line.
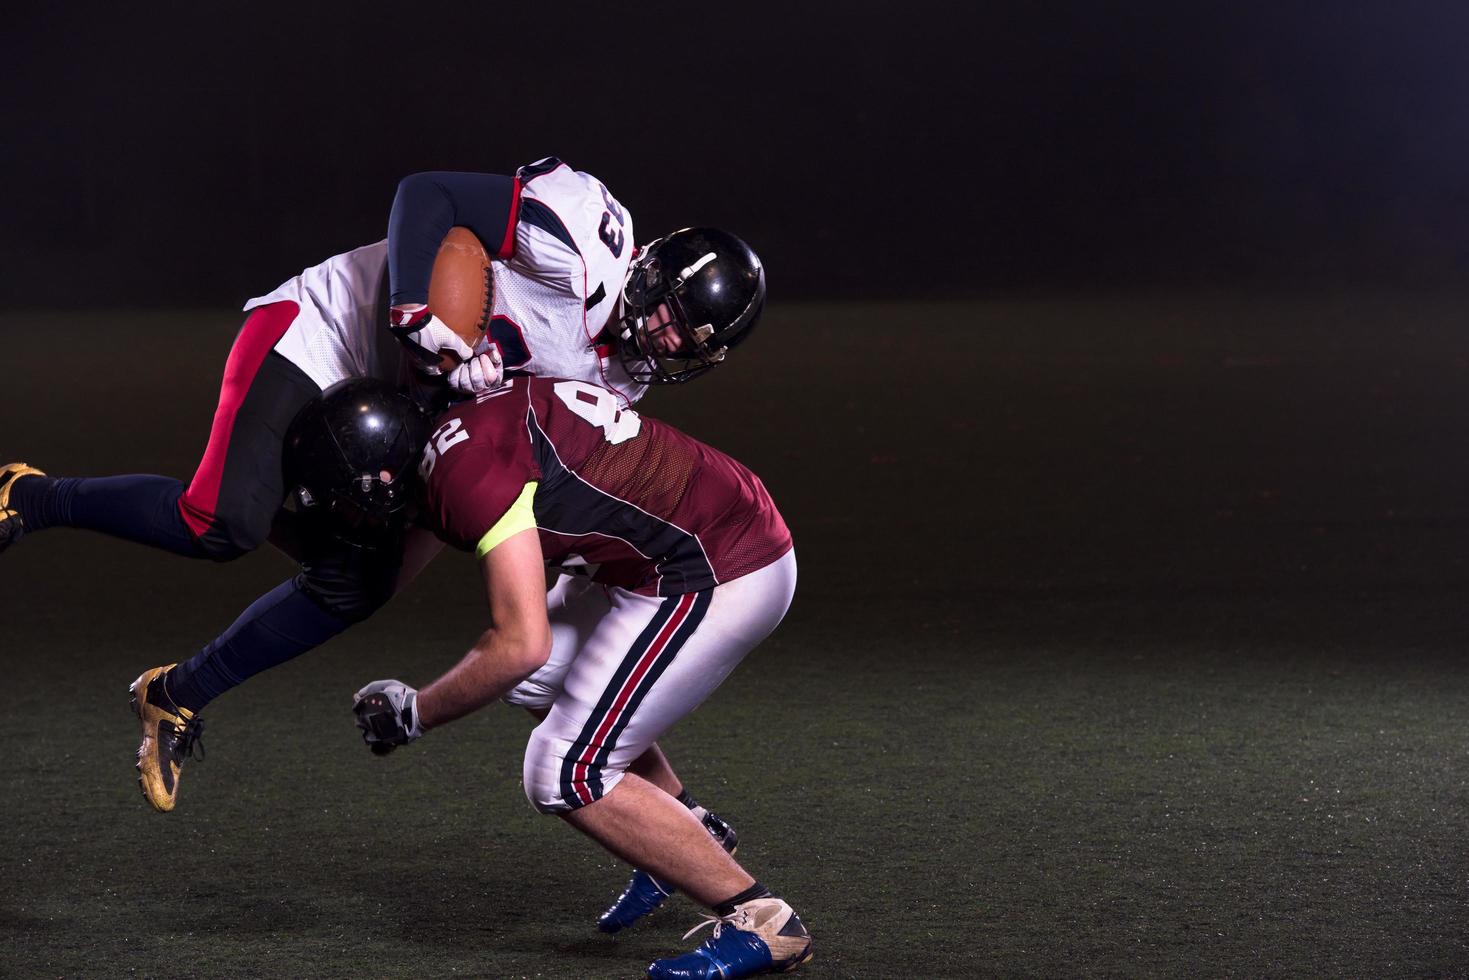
[(653, 473), (326, 352), (514, 291)]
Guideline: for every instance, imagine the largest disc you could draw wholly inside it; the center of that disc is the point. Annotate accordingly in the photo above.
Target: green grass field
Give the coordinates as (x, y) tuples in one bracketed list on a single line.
[(1130, 641)]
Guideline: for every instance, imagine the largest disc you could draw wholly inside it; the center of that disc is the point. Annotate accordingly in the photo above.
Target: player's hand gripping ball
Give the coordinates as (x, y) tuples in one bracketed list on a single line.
[(432, 346), (481, 373), (387, 714), (446, 333)]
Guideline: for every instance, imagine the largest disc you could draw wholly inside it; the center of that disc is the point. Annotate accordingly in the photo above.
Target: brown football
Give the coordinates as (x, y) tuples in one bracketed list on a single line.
[(459, 291)]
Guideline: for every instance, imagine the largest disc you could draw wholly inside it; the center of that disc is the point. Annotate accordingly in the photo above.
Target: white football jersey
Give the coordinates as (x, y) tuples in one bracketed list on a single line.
[(552, 297), (341, 330), (563, 282)]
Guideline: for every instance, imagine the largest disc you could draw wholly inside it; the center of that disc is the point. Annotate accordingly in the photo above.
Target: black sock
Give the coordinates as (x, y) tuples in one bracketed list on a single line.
[(718, 828), (30, 496), (755, 891), (701, 812), (137, 507), (158, 691)]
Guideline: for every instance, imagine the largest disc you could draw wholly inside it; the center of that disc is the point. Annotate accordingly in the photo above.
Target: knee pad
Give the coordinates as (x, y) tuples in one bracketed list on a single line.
[(531, 693), (556, 778)]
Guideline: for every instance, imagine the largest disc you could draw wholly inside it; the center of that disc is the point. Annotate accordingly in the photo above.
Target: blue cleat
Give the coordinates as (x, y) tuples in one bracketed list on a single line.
[(644, 893), (763, 935)]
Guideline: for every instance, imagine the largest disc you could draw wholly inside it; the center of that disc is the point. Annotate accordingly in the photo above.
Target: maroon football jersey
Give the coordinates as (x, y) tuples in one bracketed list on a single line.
[(629, 500)]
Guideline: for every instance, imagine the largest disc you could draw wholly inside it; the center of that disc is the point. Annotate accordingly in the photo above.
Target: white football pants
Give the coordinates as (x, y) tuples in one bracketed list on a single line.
[(625, 667)]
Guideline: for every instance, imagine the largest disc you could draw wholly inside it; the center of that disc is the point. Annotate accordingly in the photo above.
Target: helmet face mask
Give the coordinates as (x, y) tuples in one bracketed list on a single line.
[(370, 502), (712, 287), (648, 357)]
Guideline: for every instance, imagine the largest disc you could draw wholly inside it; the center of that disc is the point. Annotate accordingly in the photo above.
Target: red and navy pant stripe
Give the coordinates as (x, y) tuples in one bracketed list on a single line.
[(238, 488), (676, 620)]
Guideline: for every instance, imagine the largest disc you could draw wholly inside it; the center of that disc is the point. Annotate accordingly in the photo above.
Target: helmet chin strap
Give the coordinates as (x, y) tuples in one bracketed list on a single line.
[(620, 317)]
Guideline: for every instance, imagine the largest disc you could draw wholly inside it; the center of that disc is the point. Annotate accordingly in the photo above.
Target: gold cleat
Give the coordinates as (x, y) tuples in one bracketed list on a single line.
[(169, 735), (11, 525)]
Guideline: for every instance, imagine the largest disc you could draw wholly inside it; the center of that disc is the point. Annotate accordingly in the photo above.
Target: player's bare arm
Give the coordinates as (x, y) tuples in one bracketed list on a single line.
[(390, 713), (515, 646)]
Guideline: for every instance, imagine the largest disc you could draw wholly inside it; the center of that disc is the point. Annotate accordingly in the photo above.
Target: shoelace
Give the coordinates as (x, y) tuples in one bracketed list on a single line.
[(191, 736), (718, 922)]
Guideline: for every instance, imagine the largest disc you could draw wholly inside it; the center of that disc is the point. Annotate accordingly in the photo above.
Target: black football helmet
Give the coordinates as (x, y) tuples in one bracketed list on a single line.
[(351, 452), (714, 286)]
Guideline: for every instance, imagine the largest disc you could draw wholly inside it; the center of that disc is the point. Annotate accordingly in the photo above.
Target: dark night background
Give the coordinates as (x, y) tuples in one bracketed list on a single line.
[(1112, 385), (200, 155)]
